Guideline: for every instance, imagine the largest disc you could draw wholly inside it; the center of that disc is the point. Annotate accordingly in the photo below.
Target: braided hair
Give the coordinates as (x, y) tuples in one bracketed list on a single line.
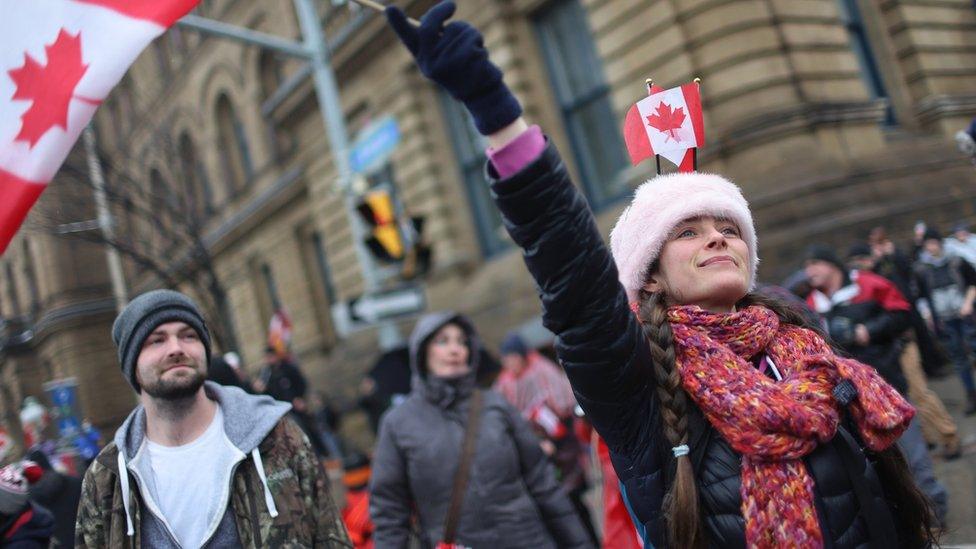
[(681, 511)]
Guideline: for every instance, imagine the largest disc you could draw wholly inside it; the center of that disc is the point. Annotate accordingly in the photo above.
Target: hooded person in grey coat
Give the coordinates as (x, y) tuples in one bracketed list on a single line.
[(512, 498)]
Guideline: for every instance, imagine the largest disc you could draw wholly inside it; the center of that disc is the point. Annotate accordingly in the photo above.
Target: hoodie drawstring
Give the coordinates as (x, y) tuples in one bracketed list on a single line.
[(124, 479), (259, 465)]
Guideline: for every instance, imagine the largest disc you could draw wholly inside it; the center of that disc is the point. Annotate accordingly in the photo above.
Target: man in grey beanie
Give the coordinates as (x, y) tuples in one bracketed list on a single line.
[(197, 464)]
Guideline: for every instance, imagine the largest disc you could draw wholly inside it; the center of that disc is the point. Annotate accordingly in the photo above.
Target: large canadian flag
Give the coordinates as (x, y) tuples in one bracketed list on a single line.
[(58, 60), (667, 123)]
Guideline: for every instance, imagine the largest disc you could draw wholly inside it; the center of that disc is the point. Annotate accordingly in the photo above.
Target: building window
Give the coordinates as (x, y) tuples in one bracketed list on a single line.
[(30, 274), (196, 185), (176, 41), (870, 74), (269, 73), (12, 290), (271, 287), (234, 152), (122, 109), (469, 150), (161, 52), (581, 90), (162, 201), (325, 271)]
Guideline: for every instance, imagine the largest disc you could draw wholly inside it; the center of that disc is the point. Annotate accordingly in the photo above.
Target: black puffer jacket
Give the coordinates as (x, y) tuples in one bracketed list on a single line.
[(602, 347)]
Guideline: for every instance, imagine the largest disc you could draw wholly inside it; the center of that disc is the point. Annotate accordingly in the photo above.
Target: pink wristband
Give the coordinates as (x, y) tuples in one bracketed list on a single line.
[(518, 153)]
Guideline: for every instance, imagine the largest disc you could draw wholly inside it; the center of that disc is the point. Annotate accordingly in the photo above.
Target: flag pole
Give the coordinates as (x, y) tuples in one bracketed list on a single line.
[(694, 152), (649, 83), (373, 5)]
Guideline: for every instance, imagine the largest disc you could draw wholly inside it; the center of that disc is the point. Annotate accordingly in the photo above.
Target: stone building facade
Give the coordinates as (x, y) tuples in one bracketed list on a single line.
[(57, 309), (833, 115)]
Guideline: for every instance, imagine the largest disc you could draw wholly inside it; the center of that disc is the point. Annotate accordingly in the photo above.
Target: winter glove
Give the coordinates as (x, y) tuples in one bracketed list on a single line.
[(455, 57)]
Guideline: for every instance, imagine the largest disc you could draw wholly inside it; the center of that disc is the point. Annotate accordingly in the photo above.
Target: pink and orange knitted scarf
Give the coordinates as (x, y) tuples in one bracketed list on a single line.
[(773, 424)]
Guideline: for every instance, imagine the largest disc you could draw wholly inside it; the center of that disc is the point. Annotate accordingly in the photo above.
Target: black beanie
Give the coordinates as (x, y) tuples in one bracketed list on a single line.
[(143, 315), (822, 252), (513, 344), (932, 234), (859, 249)]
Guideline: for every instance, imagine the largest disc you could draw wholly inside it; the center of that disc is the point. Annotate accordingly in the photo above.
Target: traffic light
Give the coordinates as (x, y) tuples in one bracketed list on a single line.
[(385, 240), (394, 239)]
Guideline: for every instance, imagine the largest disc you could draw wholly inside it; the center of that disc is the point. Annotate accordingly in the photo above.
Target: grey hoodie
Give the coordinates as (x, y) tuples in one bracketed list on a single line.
[(512, 499), (247, 421)]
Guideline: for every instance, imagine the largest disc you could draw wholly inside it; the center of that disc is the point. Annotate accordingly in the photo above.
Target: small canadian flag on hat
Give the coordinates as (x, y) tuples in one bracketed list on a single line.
[(667, 123), (58, 60)]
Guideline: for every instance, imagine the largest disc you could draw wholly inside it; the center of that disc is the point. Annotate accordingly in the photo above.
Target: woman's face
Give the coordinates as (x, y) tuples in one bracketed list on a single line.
[(447, 352), (705, 262)]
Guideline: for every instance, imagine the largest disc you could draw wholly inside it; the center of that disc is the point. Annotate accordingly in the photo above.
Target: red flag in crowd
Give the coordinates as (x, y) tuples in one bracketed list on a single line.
[(279, 332), (58, 60), (667, 123)]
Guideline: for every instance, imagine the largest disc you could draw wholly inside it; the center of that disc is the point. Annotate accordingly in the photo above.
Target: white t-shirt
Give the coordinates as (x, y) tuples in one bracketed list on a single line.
[(187, 484)]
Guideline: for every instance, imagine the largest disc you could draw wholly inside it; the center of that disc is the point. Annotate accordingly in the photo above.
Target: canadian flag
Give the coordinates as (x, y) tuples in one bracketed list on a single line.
[(58, 60), (666, 123)]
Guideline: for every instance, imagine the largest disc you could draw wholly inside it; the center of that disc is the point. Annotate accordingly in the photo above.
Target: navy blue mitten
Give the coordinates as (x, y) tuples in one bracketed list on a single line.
[(455, 57)]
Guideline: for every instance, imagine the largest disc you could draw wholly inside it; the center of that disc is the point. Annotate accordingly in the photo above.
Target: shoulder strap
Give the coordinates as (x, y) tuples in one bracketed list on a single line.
[(464, 467)]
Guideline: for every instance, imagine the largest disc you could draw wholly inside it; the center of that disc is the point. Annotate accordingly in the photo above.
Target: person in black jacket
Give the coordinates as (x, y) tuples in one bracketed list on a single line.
[(281, 379), (947, 288), (58, 493), (867, 317), (648, 333)]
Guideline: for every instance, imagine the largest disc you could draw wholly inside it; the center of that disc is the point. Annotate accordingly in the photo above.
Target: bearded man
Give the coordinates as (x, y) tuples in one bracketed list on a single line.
[(197, 464)]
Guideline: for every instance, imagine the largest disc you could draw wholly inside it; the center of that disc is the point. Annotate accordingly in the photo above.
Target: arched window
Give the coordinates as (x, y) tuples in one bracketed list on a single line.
[(196, 187), (234, 154), (160, 230)]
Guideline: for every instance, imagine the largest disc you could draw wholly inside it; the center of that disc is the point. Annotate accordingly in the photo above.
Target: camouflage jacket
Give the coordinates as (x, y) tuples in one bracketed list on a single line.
[(307, 515)]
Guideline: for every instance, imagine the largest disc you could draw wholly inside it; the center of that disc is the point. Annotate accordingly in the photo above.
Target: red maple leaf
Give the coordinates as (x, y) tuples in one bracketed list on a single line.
[(51, 87), (667, 120)]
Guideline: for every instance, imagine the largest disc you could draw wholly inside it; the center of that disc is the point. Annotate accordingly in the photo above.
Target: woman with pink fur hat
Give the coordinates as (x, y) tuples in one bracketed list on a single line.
[(729, 421)]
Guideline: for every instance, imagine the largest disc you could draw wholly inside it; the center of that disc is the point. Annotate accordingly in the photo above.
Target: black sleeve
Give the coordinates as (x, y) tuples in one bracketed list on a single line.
[(923, 286), (968, 273), (888, 325), (599, 341), (297, 380)]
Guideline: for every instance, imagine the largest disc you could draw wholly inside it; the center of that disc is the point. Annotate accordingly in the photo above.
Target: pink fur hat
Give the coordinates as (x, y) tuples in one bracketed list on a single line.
[(658, 206)]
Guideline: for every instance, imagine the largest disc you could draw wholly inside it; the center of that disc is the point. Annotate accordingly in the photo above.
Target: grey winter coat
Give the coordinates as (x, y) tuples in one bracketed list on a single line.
[(512, 499)]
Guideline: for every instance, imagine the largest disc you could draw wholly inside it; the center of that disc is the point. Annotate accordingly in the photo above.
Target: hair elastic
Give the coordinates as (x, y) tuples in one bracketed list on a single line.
[(682, 450)]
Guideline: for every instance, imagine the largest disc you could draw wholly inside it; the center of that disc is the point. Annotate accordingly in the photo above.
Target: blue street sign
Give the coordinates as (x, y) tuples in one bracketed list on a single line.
[(374, 145)]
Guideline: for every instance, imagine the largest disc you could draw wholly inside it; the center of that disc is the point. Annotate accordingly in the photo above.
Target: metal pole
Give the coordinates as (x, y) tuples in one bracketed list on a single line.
[(241, 34), (327, 92), (116, 275)]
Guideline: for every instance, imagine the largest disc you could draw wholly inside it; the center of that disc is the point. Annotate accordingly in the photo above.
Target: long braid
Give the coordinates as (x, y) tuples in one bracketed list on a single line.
[(681, 508)]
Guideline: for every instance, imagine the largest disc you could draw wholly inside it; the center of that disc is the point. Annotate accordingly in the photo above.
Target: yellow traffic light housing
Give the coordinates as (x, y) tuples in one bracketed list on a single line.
[(379, 211)]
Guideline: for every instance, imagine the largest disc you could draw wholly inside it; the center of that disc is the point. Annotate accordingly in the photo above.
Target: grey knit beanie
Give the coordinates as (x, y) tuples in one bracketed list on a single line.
[(142, 315)]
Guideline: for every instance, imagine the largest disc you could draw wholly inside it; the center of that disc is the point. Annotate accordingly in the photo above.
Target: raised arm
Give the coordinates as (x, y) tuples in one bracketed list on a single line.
[(600, 343)]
